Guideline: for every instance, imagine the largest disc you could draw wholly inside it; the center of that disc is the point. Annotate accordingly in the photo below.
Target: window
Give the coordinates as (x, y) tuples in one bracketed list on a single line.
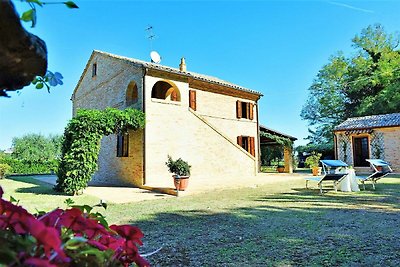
[(247, 143), (244, 110), (122, 145), (166, 91), (131, 93), (94, 70), (192, 99)]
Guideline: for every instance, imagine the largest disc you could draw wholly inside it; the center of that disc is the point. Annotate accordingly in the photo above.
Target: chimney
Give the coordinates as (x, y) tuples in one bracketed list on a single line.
[(182, 66)]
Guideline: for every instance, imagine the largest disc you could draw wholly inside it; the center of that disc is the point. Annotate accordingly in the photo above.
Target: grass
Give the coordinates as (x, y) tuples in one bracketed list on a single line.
[(33, 194), (280, 224)]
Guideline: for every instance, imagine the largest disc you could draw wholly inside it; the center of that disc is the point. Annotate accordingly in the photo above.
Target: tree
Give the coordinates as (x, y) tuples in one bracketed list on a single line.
[(23, 56), (37, 148), (366, 83)]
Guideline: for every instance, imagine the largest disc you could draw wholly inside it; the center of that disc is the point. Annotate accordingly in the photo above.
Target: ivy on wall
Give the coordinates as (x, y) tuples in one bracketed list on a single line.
[(81, 146), (283, 141)]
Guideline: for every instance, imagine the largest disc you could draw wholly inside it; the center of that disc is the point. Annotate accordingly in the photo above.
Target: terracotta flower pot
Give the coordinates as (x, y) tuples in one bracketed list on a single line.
[(315, 171), (280, 169), (181, 182)]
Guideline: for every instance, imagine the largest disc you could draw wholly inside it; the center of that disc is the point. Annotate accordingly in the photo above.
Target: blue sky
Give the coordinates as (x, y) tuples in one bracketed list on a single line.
[(275, 47)]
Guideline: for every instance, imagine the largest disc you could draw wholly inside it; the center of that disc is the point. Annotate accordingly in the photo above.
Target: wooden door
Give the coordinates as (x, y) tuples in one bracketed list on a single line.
[(360, 151)]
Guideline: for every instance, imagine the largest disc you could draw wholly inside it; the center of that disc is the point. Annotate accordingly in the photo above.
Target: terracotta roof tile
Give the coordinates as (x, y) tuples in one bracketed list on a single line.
[(177, 71), (369, 122)]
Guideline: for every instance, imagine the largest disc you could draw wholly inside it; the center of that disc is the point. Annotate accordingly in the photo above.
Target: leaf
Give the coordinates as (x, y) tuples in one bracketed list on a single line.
[(39, 86), (27, 15), (12, 199), (35, 1), (70, 4), (69, 202)]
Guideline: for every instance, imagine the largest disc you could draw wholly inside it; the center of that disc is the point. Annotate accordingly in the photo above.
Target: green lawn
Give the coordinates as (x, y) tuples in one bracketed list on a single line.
[(279, 224)]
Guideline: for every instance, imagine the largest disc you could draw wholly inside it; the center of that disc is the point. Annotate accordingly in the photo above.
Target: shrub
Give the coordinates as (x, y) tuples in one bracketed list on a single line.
[(4, 170), (313, 160), (81, 143), (26, 167), (75, 236), (178, 167)]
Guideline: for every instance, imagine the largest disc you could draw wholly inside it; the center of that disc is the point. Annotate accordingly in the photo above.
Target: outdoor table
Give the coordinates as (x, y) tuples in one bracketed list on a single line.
[(350, 182)]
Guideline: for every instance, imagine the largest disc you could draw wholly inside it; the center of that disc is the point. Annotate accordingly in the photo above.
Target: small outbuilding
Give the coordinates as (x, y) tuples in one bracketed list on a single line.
[(369, 137), (269, 137)]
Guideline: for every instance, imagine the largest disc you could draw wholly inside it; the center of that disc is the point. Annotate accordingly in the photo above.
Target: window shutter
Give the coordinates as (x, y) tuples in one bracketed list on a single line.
[(119, 145), (247, 110), (174, 96), (238, 109), (251, 113), (251, 146), (125, 148), (192, 99), (239, 141)]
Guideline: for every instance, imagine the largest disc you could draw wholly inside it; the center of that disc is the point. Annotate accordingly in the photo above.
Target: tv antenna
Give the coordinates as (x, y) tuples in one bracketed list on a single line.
[(150, 35), (155, 57)]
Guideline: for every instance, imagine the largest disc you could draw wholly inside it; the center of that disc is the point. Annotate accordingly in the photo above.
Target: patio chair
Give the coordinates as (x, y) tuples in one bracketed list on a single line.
[(381, 169), (330, 168)]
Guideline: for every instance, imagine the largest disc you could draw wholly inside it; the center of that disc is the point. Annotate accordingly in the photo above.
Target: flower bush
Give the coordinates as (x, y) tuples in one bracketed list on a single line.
[(75, 236)]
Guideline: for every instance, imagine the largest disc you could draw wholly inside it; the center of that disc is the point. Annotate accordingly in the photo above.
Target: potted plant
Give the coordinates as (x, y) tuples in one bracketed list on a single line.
[(181, 172), (281, 167), (312, 162)]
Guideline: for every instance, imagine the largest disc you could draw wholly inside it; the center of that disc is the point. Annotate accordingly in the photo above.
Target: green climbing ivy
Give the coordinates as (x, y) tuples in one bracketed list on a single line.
[(283, 141), (81, 146)]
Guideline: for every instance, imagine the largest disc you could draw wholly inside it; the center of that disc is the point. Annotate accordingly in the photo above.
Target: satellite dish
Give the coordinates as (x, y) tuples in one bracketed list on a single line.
[(155, 57)]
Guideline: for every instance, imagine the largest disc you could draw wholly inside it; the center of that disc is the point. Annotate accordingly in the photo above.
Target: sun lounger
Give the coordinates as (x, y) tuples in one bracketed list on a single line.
[(330, 168), (381, 169)]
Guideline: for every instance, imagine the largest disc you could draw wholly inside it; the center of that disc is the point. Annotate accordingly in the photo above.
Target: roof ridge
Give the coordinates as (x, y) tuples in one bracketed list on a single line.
[(194, 75)]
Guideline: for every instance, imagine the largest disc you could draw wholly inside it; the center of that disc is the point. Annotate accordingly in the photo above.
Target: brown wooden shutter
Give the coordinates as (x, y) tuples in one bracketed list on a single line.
[(192, 99), (238, 109), (174, 96), (239, 141), (247, 110), (251, 113), (251, 146)]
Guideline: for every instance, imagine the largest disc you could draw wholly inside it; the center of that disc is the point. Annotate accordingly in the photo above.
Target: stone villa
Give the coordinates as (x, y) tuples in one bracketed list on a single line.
[(369, 137), (211, 123)]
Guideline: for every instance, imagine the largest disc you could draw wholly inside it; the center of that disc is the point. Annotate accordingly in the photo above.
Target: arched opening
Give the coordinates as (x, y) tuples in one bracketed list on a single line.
[(131, 93), (166, 91)]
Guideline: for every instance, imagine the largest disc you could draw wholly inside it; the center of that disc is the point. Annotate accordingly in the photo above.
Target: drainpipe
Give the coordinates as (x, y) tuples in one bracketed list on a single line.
[(144, 130), (258, 140)]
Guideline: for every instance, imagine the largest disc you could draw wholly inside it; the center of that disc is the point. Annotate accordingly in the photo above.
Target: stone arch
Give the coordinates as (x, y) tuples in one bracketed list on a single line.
[(131, 95), (166, 90)]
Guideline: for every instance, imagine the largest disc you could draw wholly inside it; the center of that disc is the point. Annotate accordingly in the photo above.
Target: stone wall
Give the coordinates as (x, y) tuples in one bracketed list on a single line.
[(391, 138), (108, 89), (384, 143), (220, 111), (206, 138), (207, 143)]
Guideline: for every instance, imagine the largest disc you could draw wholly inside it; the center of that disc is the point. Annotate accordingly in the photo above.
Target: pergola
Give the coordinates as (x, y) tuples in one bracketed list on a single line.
[(270, 141)]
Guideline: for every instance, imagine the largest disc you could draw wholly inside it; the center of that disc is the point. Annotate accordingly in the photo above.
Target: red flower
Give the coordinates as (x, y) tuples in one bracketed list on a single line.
[(52, 218), (129, 232), (49, 237)]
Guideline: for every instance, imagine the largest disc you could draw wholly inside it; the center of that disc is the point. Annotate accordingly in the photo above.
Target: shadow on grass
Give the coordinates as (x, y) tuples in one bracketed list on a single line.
[(299, 228), (40, 188)]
